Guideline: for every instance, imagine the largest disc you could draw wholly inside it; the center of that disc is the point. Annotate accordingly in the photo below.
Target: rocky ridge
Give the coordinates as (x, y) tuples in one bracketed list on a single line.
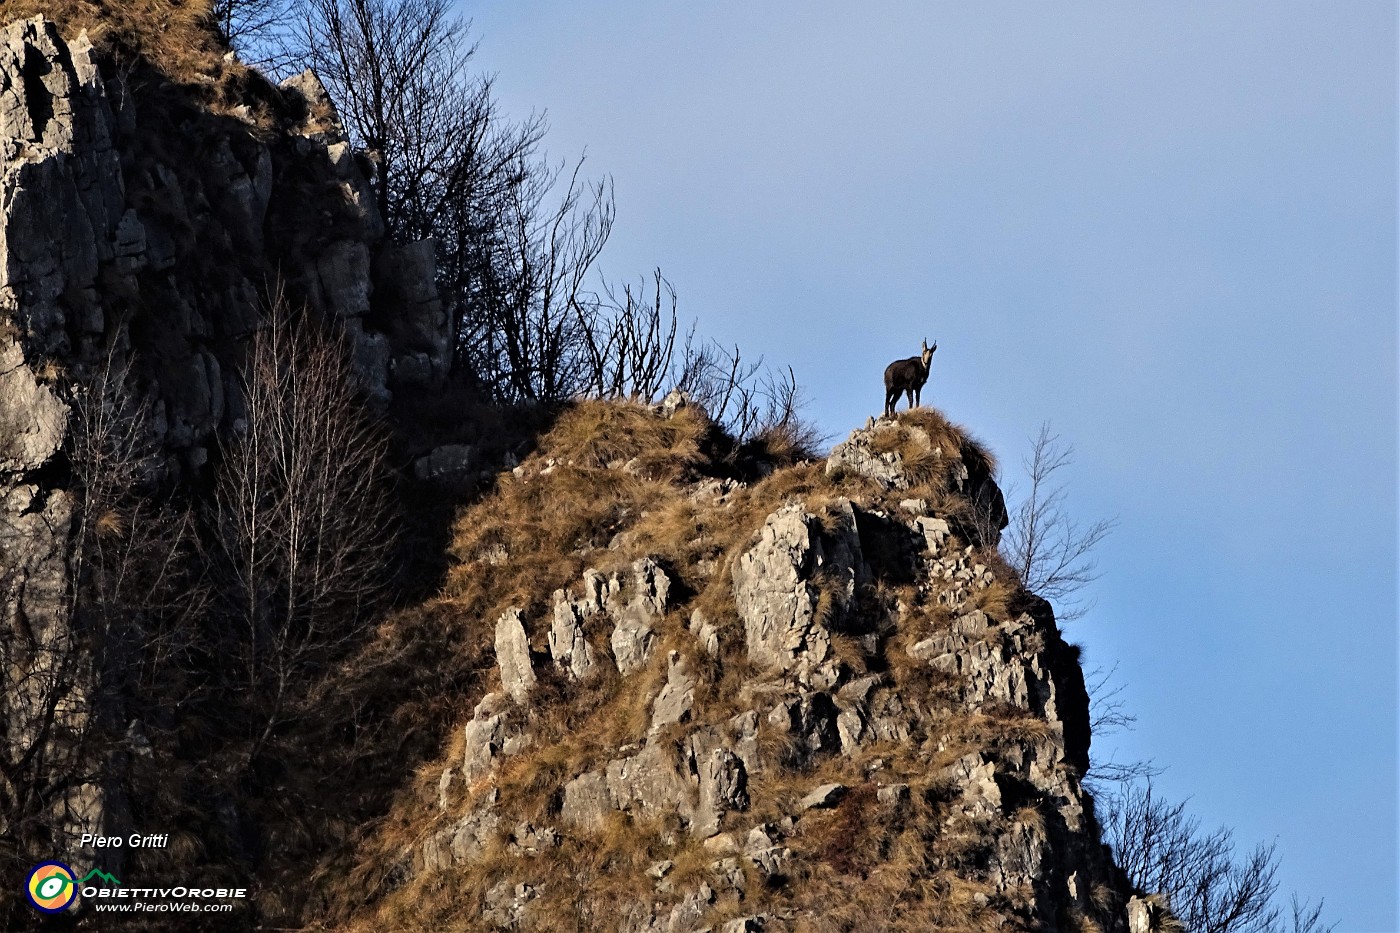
[(851, 718)]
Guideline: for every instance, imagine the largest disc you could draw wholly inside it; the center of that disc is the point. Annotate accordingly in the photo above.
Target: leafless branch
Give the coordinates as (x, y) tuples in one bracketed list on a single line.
[(1049, 549), (303, 519)]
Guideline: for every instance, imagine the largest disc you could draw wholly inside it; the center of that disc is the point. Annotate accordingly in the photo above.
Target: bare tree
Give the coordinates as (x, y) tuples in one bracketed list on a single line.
[(255, 29), (99, 592), (747, 399), (303, 517), (529, 340), (396, 70), (1164, 850), (629, 339), (1108, 714), (513, 241), (1048, 548)]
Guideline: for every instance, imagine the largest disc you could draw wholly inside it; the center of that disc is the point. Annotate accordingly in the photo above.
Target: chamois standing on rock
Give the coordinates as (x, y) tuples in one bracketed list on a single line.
[(907, 377)]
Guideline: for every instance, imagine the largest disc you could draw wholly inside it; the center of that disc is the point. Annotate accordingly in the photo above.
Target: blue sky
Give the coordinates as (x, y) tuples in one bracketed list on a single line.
[(1169, 229)]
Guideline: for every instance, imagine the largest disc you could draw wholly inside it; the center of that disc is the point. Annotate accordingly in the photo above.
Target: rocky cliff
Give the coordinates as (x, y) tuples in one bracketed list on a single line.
[(811, 700), (146, 231)]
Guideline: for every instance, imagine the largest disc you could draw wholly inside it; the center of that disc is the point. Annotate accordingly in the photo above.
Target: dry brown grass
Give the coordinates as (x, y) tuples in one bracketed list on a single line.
[(178, 38)]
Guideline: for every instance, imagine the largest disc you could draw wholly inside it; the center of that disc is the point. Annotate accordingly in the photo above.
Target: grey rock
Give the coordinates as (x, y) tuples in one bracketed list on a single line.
[(744, 728), (369, 354), (504, 904), (648, 784), (343, 273), (850, 726), (823, 797), (721, 844), (809, 720), (705, 632), (934, 531), (445, 786), (893, 796), (777, 596), (33, 421), (470, 835), (567, 644), (529, 839), (586, 801), (1149, 915), (685, 916), (673, 704), (322, 119), (406, 296), (413, 369), (448, 463), (634, 630), (864, 453), (485, 737), (723, 788), (674, 401), (513, 656)]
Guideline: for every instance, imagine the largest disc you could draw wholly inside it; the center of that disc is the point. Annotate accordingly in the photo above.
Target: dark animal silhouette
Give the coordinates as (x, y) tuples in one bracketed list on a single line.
[(907, 377)]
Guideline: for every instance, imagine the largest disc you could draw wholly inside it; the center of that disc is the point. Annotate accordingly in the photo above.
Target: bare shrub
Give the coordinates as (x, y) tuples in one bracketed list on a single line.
[(748, 400), (513, 244), (629, 339), (303, 519), (1209, 888), (1047, 547), (526, 339)]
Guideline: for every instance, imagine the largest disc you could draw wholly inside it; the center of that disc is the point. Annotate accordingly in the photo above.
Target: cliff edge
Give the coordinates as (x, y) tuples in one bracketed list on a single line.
[(815, 699)]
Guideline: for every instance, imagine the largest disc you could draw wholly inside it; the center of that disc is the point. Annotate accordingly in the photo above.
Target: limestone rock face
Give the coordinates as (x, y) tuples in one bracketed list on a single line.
[(780, 582), (898, 453), (677, 696), (130, 238), (567, 644), (634, 632)]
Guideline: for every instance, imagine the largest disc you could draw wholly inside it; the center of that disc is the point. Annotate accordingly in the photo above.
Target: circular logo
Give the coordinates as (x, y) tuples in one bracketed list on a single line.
[(51, 887)]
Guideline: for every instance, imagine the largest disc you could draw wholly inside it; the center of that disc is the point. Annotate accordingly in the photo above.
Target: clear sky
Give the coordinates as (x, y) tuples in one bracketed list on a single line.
[(1168, 228)]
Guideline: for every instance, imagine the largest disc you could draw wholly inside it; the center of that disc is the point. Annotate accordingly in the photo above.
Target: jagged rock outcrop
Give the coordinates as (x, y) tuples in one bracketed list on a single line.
[(513, 657), (800, 562), (899, 694)]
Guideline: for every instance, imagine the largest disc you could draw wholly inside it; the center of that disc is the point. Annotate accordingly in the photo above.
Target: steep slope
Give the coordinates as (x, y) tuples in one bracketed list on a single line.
[(816, 700)]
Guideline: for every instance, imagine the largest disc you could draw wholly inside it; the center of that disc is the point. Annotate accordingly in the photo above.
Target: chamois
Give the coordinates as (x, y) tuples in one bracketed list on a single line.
[(908, 377)]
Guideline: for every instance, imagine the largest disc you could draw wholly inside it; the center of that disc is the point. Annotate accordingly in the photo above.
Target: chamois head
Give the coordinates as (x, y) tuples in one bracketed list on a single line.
[(908, 377), (927, 352)]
